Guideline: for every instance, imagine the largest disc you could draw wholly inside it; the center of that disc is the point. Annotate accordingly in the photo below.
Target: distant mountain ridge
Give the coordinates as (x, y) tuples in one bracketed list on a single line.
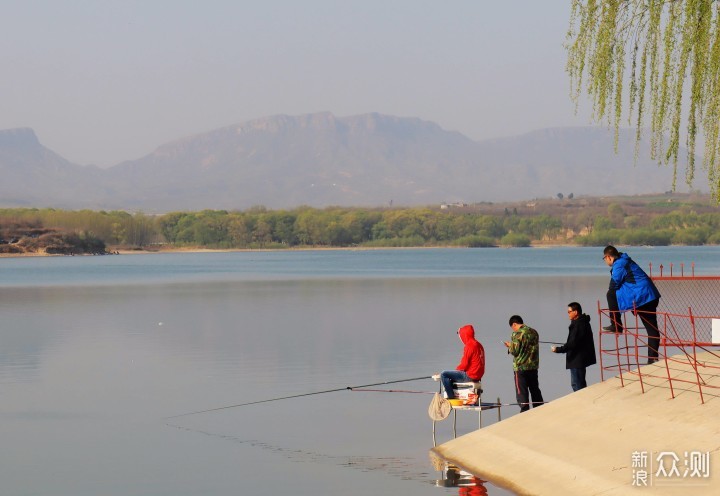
[(321, 160), (31, 175)]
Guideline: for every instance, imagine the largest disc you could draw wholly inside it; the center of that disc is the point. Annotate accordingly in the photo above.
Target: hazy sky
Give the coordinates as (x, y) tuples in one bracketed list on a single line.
[(102, 81)]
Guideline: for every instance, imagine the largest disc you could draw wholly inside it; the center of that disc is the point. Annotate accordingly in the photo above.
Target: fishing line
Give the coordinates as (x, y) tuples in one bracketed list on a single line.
[(390, 391), (298, 396)]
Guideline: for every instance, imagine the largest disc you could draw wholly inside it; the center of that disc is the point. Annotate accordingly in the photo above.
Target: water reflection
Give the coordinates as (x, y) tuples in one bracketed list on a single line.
[(467, 483), (400, 468)]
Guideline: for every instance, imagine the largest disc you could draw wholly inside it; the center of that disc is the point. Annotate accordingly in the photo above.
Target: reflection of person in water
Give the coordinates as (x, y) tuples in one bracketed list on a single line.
[(477, 489), (467, 484), (452, 476)]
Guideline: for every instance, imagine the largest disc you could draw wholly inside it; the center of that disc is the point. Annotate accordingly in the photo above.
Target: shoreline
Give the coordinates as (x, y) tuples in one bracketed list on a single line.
[(233, 250), (125, 251)]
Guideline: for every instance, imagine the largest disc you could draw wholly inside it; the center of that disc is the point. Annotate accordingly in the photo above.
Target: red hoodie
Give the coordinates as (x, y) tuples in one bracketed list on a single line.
[(473, 359)]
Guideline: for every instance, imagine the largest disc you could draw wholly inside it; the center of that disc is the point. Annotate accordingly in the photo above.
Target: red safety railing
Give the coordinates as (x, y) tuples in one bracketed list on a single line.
[(688, 307)]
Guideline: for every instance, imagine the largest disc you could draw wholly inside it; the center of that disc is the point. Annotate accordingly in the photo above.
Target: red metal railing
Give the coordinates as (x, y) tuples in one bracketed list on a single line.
[(685, 316)]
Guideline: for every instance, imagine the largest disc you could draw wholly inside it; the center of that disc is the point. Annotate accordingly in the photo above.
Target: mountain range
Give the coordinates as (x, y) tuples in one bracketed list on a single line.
[(321, 160)]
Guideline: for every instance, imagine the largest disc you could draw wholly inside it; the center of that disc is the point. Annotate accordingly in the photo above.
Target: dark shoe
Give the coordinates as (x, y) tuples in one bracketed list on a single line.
[(612, 328), (651, 361)]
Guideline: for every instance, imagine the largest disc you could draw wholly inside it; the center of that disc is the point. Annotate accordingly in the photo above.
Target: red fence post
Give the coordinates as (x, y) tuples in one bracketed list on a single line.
[(694, 361), (600, 333)]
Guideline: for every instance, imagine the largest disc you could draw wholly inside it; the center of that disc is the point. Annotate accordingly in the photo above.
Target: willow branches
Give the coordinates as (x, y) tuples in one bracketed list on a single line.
[(673, 50)]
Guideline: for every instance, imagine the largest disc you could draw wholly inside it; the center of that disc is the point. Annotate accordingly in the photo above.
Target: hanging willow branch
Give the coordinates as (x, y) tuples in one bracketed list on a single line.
[(673, 49)]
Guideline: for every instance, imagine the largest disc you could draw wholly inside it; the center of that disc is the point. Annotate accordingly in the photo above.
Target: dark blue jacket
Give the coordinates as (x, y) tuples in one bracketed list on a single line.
[(632, 285)]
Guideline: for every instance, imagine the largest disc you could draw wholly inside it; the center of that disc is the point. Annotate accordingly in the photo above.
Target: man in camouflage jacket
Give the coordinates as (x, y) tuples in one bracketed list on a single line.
[(524, 346)]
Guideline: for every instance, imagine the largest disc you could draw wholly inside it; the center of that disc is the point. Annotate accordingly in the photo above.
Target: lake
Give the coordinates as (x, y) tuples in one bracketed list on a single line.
[(97, 352)]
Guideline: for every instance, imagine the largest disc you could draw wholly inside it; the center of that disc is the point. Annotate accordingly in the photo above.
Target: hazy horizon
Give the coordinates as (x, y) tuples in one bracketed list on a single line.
[(104, 83)]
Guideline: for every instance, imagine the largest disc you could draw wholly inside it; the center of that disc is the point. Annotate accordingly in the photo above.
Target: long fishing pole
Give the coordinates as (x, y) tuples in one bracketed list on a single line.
[(298, 396), (549, 342), (390, 391)]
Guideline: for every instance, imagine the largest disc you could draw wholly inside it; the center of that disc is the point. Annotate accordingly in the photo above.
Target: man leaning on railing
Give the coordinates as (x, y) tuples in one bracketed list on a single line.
[(632, 289)]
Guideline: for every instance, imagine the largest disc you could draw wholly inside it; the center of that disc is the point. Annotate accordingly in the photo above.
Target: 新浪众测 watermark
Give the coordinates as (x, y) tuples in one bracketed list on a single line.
[(670, 468)]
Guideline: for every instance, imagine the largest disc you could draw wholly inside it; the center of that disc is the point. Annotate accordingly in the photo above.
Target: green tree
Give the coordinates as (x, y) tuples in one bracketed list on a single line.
[(359, 224), (283, 227), (584, 220), (240, 229), (475, 241), (169, 225), (616, 214), (211, 228), (309, 227), (403, 223), (492, 225), (664, 42), (648, 237), (692, 236), (185, 229), (632, 222), (139, 229), (601, 238), (602, 223), (263, 232), (463, 225), (516, 240), (714, 239)]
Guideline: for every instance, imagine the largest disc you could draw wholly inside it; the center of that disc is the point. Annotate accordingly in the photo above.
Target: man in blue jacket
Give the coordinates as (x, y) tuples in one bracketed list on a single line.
[(632, 289)]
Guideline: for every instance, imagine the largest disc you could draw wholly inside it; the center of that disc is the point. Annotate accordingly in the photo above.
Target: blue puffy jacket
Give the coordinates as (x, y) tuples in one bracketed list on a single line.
[(633, 286)]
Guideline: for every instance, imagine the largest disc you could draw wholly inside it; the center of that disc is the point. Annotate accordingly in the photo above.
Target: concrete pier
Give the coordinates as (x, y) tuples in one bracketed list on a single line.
[(592, 442)]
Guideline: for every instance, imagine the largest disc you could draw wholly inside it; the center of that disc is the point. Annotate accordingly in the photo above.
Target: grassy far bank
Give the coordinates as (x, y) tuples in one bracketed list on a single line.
[(639, 220)]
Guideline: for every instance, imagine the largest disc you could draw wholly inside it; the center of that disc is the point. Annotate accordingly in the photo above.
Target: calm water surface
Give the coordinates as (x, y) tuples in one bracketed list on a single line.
[(96, 352)]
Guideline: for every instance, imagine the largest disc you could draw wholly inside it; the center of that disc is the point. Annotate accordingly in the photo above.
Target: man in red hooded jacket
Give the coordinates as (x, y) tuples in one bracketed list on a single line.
[(472, 364)]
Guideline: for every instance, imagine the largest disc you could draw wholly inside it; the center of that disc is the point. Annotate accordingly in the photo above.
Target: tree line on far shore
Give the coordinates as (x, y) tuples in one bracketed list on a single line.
[(346, 227)]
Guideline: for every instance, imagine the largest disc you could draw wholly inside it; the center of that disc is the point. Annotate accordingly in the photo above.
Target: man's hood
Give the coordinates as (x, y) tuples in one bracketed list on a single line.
[(467, 333)]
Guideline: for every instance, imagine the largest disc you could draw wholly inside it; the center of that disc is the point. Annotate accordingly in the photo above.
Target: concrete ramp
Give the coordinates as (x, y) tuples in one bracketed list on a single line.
[(595, 441)]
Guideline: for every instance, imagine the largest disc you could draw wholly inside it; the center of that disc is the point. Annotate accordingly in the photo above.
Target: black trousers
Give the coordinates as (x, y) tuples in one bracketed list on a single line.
[(648, 316), (527, 386), (615, 318)]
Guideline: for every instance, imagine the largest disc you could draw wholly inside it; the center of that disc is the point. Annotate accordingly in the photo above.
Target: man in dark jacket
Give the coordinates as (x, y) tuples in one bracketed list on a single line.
[(580, 346)]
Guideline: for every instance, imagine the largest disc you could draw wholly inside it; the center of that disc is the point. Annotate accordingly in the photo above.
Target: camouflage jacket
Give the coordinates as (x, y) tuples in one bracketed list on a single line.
[(525, 348)]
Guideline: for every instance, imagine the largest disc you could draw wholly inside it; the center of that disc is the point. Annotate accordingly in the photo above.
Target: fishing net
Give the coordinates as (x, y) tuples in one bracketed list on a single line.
[(439, 408)]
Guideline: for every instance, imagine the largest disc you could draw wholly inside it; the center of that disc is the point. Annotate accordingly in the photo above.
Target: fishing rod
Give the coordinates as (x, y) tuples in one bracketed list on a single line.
[(298, 396), (549, 342), (390, 391)]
